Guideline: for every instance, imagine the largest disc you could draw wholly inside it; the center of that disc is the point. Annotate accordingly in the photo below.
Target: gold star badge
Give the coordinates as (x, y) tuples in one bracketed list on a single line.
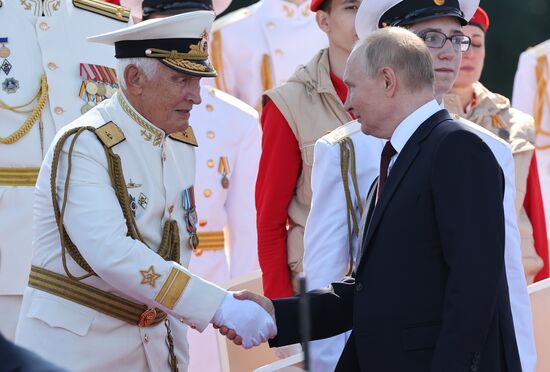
[(149, 276)]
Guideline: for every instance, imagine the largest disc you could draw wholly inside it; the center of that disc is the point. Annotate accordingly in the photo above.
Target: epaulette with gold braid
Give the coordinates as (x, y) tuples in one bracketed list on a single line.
[(110, 134), (188, 137), (118, 12), (342, 131)]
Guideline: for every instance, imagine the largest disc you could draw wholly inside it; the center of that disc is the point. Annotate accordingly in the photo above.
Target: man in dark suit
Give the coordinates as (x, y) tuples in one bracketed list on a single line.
[(14, 358), (435, 217)]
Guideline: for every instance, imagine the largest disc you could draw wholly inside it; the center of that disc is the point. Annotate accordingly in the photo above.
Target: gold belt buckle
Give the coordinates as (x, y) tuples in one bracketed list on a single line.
[(147, 317)]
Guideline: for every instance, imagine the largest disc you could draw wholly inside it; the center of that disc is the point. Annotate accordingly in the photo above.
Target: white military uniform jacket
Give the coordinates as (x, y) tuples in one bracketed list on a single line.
[(44, 37), (326, 234), (323, 265), (259, 47), (157, 170), (533, 70), (229, 138)]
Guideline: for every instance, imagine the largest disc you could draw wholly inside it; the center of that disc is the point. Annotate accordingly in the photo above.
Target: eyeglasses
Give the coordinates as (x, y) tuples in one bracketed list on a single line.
[(436, 39)]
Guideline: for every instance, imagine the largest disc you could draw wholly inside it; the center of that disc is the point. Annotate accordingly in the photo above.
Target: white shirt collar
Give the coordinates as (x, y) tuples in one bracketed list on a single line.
[(411, 123)]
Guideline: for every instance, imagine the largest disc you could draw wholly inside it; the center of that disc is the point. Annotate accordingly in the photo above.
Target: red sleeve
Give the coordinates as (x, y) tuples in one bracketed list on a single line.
[(280, 166), (535, 212)]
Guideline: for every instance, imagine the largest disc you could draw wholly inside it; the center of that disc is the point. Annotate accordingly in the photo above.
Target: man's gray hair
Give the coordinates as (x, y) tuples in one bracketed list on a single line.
[(401, 50), (149, 66)]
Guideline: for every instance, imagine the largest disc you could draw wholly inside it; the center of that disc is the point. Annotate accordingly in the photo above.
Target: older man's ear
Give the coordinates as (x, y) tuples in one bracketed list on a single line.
[(134, 79)]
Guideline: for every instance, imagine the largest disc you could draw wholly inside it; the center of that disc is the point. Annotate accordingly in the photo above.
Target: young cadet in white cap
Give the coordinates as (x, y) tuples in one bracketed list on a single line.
[(258, 47), (115, 218), (49, 74), (327, 234), (531, 94), (226, 164)]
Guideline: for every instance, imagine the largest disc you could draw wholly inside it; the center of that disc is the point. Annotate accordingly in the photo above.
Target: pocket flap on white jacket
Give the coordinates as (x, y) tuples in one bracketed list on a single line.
[(60, 313)]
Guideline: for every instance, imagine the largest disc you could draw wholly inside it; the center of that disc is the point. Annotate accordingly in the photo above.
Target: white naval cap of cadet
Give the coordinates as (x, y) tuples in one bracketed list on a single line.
[(375, 14), (179, 42)]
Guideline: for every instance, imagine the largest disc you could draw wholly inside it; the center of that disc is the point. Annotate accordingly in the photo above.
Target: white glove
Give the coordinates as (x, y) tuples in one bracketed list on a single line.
[(248, 319), (286, 351)]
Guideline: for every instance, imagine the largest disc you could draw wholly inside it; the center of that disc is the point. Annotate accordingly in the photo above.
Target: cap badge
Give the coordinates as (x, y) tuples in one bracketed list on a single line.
[(439, 2)]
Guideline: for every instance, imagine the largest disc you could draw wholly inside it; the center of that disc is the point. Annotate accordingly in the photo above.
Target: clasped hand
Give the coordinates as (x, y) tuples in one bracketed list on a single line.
[(246, 318)]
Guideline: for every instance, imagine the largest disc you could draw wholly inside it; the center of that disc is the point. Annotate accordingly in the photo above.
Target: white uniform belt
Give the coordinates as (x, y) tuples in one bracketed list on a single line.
[(211, 241), (18, 176)]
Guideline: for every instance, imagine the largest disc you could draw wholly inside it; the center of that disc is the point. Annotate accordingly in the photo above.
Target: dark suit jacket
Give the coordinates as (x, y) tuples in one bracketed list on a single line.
[(14, 358), (430, 291)]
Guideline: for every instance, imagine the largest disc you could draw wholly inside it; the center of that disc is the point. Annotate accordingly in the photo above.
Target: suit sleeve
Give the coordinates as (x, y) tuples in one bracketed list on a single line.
[(468, 191), (96, 225), (241, 211), (280, 165), (331, 313)]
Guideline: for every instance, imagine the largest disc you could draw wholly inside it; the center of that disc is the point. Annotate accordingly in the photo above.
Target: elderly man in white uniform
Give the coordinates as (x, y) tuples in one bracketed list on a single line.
[(49, 75), (227, 163), (115, 218), (333, 227), (258, 47), (532, 95)]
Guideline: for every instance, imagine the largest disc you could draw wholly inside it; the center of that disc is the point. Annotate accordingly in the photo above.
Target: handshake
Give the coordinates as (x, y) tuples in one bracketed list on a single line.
[(246, 318)]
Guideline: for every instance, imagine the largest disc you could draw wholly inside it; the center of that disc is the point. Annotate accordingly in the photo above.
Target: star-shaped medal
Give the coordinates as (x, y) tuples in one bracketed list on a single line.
[(149, 276)]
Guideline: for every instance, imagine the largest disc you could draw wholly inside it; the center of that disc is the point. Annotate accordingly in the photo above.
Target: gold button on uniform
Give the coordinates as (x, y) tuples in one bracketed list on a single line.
[(209, 107), (146, 338), (59, 110), (44, 26), (210, 134), (279, 52), (207, 193), (202, 223), (210, 163), (52, 66), (171, 209)]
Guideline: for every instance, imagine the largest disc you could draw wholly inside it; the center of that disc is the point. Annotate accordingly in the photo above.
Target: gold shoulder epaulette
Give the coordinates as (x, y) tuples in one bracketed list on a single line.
[(342, 131), (233, 17), (118, 12), (233, 101), (188, 137), (110, 134)]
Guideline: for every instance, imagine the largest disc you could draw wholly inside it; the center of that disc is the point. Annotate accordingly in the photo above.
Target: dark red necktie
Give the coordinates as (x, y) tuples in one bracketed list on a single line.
[(385, 159)]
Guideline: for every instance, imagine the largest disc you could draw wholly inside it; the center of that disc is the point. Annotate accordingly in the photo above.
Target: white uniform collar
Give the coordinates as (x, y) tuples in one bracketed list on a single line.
[(148, 131), (37, 8), (407, 127), (287, 11)]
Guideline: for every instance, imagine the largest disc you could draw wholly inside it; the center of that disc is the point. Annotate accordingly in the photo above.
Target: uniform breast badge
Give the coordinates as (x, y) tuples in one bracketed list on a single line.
[(133, 205), (191, 219), (143, 200), (149, 276), (99, 83), (223, 169), (9, 85)]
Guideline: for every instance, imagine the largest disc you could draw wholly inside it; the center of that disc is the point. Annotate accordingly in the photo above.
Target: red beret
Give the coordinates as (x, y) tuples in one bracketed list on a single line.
[(315, 4), (480, 19)]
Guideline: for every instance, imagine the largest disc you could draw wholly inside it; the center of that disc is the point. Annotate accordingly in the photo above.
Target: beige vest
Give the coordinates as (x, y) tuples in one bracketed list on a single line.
[(493, 112), (312, 108)]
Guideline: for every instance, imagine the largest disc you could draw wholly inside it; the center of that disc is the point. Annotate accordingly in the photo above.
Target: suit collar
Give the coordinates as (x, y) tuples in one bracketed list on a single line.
[(402, 164)]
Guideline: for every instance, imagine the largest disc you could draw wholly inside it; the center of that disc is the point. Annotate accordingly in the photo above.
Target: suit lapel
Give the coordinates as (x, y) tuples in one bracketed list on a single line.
[(371, 199), (398, 171)]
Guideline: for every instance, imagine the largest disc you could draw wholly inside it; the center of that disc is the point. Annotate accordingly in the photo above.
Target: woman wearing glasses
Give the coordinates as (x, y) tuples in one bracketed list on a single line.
[(473, 101)]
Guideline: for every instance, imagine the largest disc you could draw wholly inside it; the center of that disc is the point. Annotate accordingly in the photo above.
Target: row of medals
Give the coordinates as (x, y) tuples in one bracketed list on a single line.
[(100, 91)]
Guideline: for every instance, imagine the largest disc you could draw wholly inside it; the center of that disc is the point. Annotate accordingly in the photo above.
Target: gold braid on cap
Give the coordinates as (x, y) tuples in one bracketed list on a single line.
[(196, 52)]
